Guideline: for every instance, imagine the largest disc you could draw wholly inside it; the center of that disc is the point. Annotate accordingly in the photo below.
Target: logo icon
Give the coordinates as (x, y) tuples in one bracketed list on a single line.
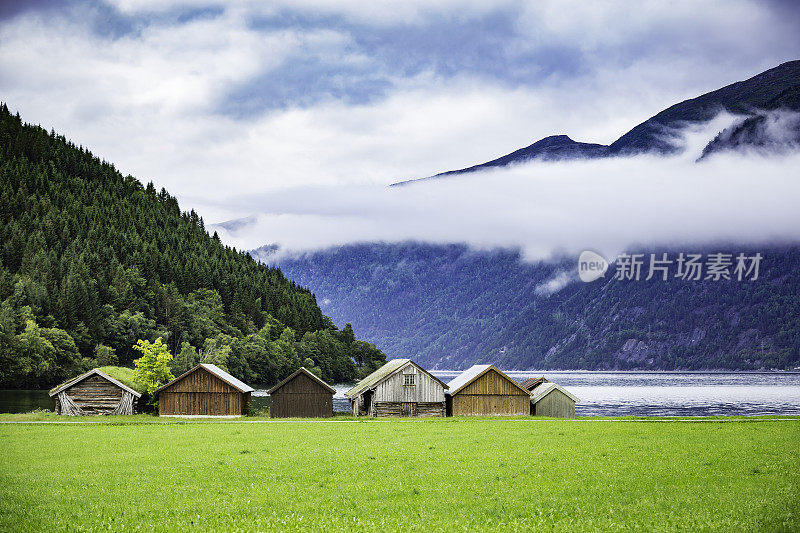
[(591, 266)]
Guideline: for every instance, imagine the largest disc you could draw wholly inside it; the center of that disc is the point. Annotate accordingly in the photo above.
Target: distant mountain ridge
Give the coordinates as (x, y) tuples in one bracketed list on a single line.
[(775, 89), (449, 306)]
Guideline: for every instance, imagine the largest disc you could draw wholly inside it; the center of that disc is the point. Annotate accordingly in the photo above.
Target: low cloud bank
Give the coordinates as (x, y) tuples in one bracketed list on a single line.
[(548, 209)]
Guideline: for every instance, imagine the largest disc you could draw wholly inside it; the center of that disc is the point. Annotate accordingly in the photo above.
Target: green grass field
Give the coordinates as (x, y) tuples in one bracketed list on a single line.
[(427, 475)]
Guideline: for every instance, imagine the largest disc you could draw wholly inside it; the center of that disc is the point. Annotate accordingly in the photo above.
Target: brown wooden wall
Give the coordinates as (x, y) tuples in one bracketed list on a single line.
[(556, 404), (95, 395), (491, 394), (202, 393), (302, 397), (403, 409)]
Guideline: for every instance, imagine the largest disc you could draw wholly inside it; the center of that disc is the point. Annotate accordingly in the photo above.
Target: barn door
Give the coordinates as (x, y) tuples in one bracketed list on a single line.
[(408, 409)]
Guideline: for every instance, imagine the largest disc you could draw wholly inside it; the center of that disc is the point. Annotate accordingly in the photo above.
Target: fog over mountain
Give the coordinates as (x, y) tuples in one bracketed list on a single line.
[(547, 208), (710, 175)]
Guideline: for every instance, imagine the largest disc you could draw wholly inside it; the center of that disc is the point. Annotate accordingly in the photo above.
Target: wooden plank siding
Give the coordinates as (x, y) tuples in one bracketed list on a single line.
[(301, 397), (491, 394), (401, 409), (425, 388), (202, 393), (556, 404), (94, 395), (393, 398)]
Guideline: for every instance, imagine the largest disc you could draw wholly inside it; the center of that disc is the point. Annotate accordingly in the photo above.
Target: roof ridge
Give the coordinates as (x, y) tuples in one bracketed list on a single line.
[(93, 372), (305, 371)]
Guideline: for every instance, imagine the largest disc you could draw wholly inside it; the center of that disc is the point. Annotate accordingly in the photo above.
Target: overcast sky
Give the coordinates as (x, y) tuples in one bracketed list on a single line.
[(224, 102)]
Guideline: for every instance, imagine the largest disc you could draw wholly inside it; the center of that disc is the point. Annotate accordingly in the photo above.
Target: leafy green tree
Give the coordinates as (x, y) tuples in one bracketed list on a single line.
[(309, 365), (152, 368), (186, 359), (105, 355), (217, 351)]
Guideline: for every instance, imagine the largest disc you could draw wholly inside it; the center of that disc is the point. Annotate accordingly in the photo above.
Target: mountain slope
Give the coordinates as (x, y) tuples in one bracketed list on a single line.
[(92, 260), (451, 307), (769, 90), (553, 148), (774, 89)]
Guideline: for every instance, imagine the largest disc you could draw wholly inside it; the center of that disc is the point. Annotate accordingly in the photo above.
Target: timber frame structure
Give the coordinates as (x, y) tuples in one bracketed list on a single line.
[(301, 395), (400, 388), (94, 393), (484, 390), (204, 391)]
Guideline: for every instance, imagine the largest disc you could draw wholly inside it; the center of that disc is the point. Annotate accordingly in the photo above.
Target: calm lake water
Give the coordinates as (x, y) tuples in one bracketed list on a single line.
[(601, 393)]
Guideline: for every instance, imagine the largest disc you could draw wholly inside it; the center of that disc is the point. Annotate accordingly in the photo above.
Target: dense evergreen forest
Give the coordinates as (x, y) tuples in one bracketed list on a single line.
[(91, 261)]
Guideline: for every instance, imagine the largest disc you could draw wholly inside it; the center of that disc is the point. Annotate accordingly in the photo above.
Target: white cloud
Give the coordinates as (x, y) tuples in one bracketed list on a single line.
[(150, 100), (550, 208), (378, 12)]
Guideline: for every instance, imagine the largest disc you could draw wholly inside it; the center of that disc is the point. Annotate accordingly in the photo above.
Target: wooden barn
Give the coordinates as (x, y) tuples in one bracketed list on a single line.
[(205, 390), (94, 393), (531, 383), (483, 390), (553, 400), (398, 388), (301, 395)]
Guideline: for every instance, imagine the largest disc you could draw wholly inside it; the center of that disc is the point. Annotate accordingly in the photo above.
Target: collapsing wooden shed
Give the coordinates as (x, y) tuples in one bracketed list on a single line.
[(301, 395), (553, 400), (398, 388), (532, 383), (94, 393), (485, 390), (205, 390)]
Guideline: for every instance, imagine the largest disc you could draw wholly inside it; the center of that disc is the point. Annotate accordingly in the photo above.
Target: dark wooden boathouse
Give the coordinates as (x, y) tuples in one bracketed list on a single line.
[(301, 395), (94, 393), (205, 390), (483, 390)]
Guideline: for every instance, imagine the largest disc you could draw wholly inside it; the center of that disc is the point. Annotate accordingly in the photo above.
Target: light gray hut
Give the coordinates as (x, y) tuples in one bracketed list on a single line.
[(398, 388), (553, 400), (94, 393)]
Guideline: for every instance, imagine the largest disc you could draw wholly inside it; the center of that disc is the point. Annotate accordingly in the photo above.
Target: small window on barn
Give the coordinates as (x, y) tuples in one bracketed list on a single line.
[(408, 380)]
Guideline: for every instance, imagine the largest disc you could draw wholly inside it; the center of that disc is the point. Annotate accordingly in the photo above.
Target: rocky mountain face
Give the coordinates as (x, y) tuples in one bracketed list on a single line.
[(451, 307)]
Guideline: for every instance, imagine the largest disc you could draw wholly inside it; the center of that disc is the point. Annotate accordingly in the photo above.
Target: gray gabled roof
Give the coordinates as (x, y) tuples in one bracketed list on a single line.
[(94, 372), (474, 372), (302, 370), (546, 388), (217, 371), (465, 377), (382, 373)]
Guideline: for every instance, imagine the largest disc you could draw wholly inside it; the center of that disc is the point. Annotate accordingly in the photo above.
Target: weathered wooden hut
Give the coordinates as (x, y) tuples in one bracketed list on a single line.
[(205, 390), (532, 383), (301, 395), (553, 400), (94, 393), (484, 390), (398, 388)]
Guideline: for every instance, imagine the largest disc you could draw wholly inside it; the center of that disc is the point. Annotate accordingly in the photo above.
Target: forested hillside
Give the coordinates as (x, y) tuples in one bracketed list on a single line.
[(92, 260), (450, 307)]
